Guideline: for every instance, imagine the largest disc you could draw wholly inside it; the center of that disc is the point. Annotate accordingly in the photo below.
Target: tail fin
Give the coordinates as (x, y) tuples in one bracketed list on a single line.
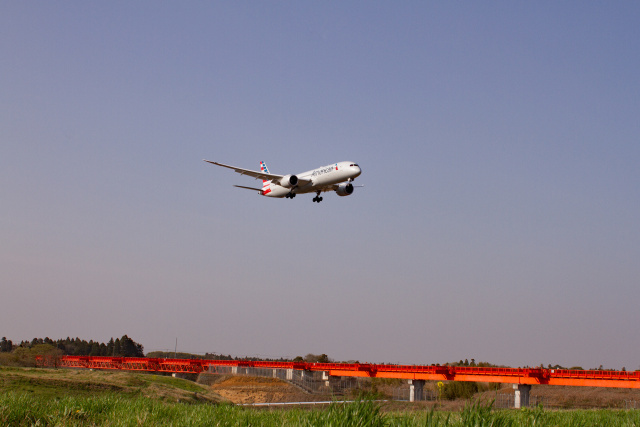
[(263, 167), (265, 183)]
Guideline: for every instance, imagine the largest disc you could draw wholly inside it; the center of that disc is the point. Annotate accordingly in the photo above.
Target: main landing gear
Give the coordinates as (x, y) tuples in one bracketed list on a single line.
[(290, 195), (317, 199)]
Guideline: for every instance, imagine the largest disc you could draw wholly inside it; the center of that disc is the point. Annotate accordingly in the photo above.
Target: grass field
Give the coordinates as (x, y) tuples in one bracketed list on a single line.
[(56, 383), (20, 409), (79, 398)]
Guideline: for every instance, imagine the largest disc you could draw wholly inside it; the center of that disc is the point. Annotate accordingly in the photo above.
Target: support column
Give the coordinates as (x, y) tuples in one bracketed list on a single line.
[(522, 395), (416, 389), (289, 374)]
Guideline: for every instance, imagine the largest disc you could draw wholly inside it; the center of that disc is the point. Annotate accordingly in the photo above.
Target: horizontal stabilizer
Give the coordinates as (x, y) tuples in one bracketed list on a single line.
[(249, 188)]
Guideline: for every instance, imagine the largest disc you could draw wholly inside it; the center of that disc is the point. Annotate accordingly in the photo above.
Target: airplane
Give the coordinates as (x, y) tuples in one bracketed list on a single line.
[(336, 177)]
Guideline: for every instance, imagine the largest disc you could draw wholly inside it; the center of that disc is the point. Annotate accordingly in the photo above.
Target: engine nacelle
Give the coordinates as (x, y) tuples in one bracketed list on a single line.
[(289, 181), (345, 189)]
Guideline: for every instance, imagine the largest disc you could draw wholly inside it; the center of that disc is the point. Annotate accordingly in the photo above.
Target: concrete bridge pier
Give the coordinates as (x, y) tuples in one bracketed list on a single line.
[(416, 390), (522, 395)]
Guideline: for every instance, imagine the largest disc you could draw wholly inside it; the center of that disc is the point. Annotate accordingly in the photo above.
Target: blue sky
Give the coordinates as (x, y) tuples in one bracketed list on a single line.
[(499, 148)]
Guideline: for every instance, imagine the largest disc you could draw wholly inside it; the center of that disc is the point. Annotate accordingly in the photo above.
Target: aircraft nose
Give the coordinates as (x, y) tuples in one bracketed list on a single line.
[(357, 168)]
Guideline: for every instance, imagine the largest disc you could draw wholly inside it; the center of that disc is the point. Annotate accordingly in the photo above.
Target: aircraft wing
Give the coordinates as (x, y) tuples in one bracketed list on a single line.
[(255, 174)]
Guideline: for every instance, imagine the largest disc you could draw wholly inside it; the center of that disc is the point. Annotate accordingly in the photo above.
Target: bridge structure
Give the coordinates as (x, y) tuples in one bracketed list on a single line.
[(521, 378)]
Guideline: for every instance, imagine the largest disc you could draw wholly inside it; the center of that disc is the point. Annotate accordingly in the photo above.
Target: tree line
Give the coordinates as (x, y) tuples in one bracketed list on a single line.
[(124, 346), (209, 356)]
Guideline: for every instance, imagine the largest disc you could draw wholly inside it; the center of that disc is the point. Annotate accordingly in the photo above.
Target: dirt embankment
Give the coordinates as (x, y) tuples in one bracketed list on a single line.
[(242, 390), (585, 397)]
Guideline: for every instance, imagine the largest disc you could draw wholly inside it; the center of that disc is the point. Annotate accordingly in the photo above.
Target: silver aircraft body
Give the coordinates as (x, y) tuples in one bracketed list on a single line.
[(336, 177)]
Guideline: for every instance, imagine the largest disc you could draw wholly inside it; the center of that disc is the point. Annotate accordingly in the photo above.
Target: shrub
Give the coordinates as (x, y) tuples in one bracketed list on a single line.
[(459, 390)]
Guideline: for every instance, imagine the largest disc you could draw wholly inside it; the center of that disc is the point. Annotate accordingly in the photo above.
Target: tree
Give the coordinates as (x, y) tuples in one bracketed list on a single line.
[(5, 345), (129, 348), (48, 352), (323, 358), (26, 356), (317, 358), (95, 349)]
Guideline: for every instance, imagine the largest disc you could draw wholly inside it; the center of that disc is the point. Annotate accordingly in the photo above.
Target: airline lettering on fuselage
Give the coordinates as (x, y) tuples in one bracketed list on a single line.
[(323, 171)]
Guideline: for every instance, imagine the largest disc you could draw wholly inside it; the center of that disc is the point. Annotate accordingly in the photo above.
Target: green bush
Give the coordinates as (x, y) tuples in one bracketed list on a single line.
[(459, 390)]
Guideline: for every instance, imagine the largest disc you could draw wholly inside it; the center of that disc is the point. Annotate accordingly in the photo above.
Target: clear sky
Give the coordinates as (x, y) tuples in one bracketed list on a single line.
[(500, 152)]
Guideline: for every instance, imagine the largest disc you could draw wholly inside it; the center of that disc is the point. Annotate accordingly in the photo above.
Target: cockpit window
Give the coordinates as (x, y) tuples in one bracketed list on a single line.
[(354, 164)]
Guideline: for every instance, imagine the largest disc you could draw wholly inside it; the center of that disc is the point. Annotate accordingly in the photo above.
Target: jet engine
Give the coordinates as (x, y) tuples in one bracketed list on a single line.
[(345, 189), (289, 181)]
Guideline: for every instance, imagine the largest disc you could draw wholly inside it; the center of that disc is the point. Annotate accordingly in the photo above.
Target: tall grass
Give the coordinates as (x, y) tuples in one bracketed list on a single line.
[(115, 410)]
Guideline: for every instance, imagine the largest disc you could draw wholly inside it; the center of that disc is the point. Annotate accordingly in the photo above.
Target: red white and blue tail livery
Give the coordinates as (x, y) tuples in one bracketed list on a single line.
[(265, 183), (337, 177)]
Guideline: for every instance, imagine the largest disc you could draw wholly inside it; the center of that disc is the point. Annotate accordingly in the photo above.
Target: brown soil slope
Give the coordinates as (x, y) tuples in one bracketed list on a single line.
[(260, 390), (585, 397)]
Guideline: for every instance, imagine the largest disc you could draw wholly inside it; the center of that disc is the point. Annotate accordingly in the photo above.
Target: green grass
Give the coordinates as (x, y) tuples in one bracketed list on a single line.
[(173, 382), (51, 383), (114, 410), (20, 409), (480, 415)]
